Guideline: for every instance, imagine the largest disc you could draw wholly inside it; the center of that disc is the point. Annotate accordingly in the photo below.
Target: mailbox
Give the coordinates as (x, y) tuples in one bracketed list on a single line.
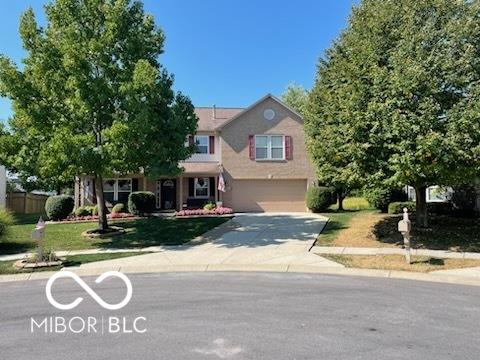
[(404, 226)]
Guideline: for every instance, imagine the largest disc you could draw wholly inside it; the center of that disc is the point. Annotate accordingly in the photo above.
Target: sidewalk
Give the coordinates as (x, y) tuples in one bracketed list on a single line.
[(442, 254)]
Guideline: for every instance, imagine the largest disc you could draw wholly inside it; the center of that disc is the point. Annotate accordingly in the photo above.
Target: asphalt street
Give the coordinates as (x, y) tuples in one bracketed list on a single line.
[(242, 316)]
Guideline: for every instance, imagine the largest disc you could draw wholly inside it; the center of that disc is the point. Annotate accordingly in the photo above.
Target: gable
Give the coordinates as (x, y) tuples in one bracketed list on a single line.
[(263, 103)]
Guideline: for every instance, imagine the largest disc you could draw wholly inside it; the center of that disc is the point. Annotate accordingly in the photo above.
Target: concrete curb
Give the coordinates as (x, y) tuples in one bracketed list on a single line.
[(403, 275)]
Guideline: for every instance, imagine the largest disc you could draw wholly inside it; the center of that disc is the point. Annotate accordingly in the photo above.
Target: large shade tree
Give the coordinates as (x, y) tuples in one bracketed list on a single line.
[(92, 97), (401, 89)]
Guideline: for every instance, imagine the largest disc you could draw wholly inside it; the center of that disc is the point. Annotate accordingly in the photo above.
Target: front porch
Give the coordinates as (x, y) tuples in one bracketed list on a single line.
[(195, 187), (188, 191)]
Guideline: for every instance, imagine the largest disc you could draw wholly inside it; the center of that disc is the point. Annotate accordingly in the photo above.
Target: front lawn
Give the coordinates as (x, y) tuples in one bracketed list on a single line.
[(6, 267), (397, 262), (337, 223), (444, 233), (340, 221), (139, 233), (374, 229)]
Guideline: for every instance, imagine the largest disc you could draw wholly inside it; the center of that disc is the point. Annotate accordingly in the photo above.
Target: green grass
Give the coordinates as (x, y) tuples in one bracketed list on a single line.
[(354, 204), (6, 267), (339, 220), (336, 223), (443, 233), (139, 233)]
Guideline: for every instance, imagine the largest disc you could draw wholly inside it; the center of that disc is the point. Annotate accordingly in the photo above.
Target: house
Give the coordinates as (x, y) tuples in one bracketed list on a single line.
[(434, 194), (259, 153)]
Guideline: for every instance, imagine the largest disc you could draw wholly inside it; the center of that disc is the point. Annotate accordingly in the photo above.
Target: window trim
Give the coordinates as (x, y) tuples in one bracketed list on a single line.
[(208, 143), (195, 182), (115, 190), (269, 147)]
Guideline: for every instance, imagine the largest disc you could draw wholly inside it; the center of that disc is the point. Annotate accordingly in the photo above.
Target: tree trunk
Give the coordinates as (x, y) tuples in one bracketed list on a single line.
[(421, 205), (102, 209), (340, 198)]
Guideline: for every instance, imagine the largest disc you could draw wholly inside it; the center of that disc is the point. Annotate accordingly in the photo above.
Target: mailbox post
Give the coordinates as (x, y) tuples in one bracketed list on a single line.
[(404, 227), (38, 235)]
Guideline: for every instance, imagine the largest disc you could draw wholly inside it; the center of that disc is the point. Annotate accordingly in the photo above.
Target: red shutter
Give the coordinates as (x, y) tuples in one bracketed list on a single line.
[(190, 140), (288, 148), (212, 144), (251, 147)]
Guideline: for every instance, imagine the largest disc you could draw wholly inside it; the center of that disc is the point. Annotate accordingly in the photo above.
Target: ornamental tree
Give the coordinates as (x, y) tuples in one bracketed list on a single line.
[(400, 88), (295, 96), (92, 97)]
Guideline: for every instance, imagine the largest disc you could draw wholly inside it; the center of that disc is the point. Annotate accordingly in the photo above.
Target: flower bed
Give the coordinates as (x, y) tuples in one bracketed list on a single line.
[(205, 212), (73, 218)]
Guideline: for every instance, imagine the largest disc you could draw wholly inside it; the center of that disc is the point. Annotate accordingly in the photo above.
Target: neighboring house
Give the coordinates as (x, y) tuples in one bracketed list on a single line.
[(259, 151), (434, 193)]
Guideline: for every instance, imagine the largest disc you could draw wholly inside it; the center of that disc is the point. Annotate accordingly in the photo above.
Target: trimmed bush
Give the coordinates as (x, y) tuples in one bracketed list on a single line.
[(320, 198), (397, 207), (6, 220), (59, 207), (209, 206), (83, 211), (380, 198), (440, 208), (141, 202), (118, 208)]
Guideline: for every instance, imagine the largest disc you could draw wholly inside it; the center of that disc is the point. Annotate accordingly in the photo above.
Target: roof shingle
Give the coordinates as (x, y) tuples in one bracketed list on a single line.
[(206, 122)]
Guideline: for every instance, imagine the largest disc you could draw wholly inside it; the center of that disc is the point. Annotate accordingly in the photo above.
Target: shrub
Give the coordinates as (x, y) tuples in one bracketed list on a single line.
[(118, 208), (380, 198), (59, 207), (83, 211), (141, 202), (397, 207), (440, 208), (95, 210), (320, 198), (209, 206), (6, 220)]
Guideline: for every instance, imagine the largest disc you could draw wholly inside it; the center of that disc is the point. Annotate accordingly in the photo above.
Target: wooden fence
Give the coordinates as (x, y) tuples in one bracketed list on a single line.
[(26, 203)]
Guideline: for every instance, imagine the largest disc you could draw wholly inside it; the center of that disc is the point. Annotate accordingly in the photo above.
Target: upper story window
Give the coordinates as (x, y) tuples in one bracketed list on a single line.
[(269, 147), (203, 144)]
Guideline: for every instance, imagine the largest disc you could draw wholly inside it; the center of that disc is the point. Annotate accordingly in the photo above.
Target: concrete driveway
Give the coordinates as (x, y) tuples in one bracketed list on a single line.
[(281, 239)]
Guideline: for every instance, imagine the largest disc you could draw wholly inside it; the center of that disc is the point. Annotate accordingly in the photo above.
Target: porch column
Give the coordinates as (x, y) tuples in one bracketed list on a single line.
[(77, 192), (180, 192), (144, 183), (216, 189)]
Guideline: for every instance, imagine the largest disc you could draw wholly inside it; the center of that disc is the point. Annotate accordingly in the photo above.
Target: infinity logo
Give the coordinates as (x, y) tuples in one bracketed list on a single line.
[(88, 289)]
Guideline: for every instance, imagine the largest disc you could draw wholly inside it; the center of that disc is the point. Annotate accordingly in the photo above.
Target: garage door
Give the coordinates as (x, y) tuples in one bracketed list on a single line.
[(269, 195)]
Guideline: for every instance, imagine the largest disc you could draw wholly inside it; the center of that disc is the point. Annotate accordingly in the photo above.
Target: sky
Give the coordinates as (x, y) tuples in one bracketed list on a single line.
[(223, 52)]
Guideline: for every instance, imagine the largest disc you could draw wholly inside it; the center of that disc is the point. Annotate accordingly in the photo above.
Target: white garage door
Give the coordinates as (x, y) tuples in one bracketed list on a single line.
[(269, 195)]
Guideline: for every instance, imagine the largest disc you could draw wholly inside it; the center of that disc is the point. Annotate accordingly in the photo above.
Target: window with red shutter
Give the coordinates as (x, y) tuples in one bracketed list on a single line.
[(251, 147), (288, 148), (212, 144)]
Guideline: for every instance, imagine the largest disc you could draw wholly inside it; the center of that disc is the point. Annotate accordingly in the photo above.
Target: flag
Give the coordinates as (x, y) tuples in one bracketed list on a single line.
[(221, 183)]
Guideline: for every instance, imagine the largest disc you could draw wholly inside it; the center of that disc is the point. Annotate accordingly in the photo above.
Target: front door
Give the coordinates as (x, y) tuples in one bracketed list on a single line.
[(168, 194)]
